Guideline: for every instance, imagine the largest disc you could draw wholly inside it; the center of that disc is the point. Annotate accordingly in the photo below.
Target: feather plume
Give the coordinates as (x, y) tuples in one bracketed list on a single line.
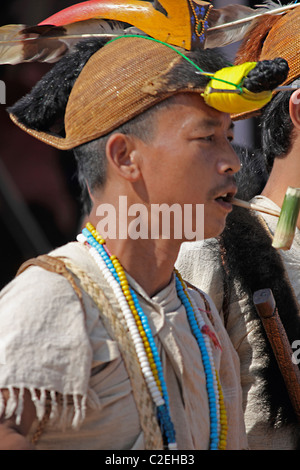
[(258, 32), (231, 23), (54, 37), (11, 43), (19, 43)]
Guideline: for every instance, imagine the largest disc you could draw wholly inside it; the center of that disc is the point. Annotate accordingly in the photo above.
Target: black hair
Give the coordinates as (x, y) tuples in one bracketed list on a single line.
[(276, 128), (276, 125), (252, 177)]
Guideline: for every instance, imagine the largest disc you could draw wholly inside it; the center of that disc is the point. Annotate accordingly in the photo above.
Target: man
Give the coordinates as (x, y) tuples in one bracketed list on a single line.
[(111, 340), (57, 355), (243, 261)]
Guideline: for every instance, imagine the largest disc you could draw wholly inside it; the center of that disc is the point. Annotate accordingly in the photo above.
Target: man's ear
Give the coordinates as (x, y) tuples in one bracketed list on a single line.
[(122, 155), (89, 192), (294, 108)]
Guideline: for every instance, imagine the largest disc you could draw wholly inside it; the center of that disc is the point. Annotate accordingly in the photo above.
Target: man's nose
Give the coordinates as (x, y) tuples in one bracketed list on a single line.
[(229, 162)]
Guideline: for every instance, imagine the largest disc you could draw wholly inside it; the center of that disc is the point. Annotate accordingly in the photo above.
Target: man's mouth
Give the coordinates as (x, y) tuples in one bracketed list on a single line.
[(224, 200), (224, 196)]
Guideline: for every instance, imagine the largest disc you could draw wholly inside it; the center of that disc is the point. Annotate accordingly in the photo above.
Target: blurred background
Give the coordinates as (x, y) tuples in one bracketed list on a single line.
[(39, 193)]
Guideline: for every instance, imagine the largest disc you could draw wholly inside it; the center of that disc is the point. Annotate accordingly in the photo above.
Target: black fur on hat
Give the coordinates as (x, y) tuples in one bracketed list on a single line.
[(43, 108)]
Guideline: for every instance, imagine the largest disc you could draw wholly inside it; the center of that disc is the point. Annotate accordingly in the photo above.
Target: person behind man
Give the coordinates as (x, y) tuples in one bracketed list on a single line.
[(241, 261)]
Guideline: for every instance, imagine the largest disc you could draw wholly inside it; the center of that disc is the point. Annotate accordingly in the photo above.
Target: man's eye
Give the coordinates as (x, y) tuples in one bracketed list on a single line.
[(207, 138)]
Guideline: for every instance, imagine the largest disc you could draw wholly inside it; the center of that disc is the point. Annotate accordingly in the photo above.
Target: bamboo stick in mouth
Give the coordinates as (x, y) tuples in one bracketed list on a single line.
[(256, 207)]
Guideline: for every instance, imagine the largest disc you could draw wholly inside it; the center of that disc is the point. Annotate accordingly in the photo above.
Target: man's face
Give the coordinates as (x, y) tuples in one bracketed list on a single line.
[(190, 159)]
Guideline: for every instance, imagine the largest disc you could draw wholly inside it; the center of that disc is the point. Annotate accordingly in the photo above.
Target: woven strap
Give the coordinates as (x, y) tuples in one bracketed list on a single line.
[(116, 328)]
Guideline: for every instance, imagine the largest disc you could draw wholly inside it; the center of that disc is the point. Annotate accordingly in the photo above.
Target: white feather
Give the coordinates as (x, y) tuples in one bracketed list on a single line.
[(233, 21)]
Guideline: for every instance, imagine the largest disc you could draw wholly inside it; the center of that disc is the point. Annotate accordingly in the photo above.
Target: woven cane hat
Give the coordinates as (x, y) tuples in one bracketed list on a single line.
[(276, 36), (121, 80)]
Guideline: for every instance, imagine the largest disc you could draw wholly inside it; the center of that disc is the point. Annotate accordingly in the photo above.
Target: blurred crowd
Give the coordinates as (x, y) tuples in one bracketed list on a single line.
[(37, 182)]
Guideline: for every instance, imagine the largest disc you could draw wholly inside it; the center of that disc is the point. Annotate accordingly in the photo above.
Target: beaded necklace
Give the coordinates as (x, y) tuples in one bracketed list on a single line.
[(145, 346)]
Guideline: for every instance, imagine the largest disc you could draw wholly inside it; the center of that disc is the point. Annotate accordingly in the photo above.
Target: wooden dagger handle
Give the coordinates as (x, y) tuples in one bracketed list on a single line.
[(266, 308)]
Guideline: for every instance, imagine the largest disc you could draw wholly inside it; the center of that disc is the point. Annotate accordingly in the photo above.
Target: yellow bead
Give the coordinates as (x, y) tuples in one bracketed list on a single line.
[(222, 444)]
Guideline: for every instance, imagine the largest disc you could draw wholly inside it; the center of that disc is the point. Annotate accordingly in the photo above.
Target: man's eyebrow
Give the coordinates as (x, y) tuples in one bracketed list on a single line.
[(210, 122)]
